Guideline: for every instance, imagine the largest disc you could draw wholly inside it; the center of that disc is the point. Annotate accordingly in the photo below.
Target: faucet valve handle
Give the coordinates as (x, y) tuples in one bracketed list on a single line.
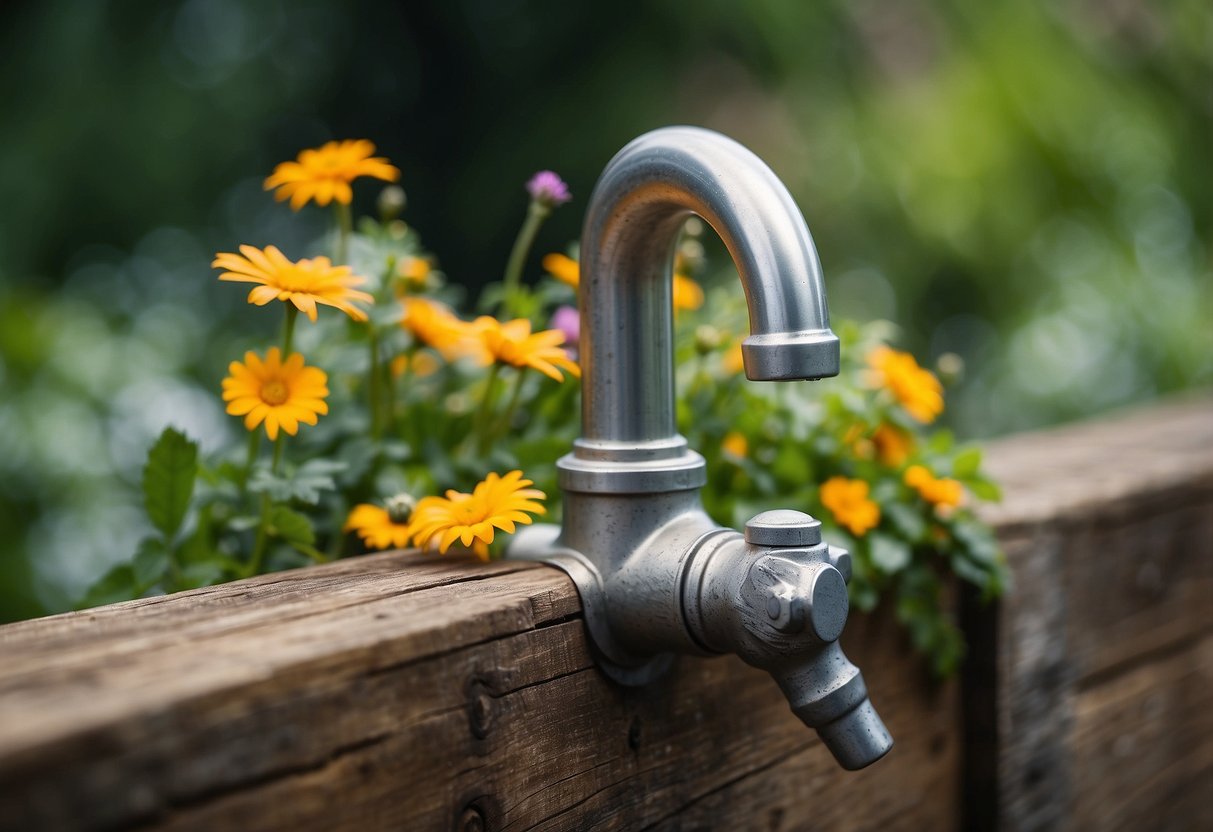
[(783, 528)]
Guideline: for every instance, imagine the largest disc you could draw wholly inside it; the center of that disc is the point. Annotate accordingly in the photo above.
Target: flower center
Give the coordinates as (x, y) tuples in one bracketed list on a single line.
[(400, 508), (274, 392), (296, 279), (467, 513)]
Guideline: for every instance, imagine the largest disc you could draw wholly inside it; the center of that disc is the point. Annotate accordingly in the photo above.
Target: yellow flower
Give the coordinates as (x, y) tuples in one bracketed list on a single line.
[(893, 445), (918, 391), (563, 268), (305, 283), (733, 362), (324, 173), (938, 491), (282, 394), (735, 445), (472, 519), (414, 271), (848, 501), (687, 293), (377, 528), (512, 343), (422, 364), (437, 326)]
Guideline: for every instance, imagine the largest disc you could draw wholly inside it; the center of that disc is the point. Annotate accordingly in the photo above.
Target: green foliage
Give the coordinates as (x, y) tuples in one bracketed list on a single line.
[(407, 417), (168, 480)]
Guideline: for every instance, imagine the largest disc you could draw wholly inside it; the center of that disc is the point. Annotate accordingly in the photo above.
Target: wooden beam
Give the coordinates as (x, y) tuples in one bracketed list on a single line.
[(1109, 529), (409, 691)]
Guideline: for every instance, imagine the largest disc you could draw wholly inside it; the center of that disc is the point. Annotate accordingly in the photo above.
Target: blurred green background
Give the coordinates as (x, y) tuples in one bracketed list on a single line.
[(1026, 184)]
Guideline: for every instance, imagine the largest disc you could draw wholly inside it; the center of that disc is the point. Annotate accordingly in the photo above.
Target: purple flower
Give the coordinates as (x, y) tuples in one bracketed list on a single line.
[(567, 320), (548, 189)]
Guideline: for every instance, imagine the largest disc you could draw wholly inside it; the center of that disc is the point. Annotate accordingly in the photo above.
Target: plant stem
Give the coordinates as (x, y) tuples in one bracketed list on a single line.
[(263, 531), (483, 417), (345, 223), (389, 404), (312, 552), (279, 444), (288, 329), (373, 385), (254, 445), (535, 215), (503, 427), (263, 525)]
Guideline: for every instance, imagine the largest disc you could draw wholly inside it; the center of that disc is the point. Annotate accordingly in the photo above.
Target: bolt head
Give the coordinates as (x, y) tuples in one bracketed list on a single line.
[(783, 527)]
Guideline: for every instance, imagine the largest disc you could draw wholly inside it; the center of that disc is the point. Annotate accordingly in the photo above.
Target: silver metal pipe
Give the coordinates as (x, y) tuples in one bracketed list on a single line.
[(636, 211), (656, 576)]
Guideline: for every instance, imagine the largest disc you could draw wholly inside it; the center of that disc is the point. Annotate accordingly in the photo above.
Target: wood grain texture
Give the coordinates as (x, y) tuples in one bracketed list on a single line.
[(401, 691), (1108, 527), (398, 691)]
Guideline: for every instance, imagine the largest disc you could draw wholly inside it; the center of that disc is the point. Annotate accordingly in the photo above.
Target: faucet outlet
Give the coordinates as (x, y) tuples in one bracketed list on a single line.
[(657, 576)]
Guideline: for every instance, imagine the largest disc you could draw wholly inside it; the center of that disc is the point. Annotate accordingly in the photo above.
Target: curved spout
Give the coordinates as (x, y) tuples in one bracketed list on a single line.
[(656, 575), (631, 227)]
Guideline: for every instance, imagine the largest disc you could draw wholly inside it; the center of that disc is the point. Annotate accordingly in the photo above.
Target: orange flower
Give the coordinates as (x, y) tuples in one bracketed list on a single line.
[(280, 393), (938, 491), (422, 364), (414, 271), (437, 326), (735, 445), (848, 501), (916, 389), (687, 293), (512, 343), (893, 445), (305, 283), (563, 268), (496, 503), (377, 528), (324, 173), (733, 361)]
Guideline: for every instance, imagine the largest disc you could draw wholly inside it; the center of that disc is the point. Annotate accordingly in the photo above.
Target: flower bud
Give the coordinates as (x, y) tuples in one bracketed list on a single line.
[(548, 189), (391, 202), (400, 508), (414, 271), (707, 339), (950, 367), (690, 253)]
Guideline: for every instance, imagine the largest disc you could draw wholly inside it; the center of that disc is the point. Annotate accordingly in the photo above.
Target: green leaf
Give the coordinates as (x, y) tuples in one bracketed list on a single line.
[(168, 480), (966, 463), (940, 442), (906, 519), (970, 571), (291, 526), (984, 489), (308, 482), (151, 562), (790, 465), (118, 584), (203, 573), (889, 554)]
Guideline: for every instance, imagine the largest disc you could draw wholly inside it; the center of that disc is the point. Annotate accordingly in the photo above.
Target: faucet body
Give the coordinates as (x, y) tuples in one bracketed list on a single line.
[(656, 575)]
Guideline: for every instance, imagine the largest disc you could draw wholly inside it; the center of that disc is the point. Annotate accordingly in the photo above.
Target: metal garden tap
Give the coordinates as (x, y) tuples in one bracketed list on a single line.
[(656, 576)]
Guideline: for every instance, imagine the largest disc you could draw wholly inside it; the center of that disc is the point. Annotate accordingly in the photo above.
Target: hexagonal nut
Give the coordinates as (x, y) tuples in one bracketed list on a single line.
[(785, 609)]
